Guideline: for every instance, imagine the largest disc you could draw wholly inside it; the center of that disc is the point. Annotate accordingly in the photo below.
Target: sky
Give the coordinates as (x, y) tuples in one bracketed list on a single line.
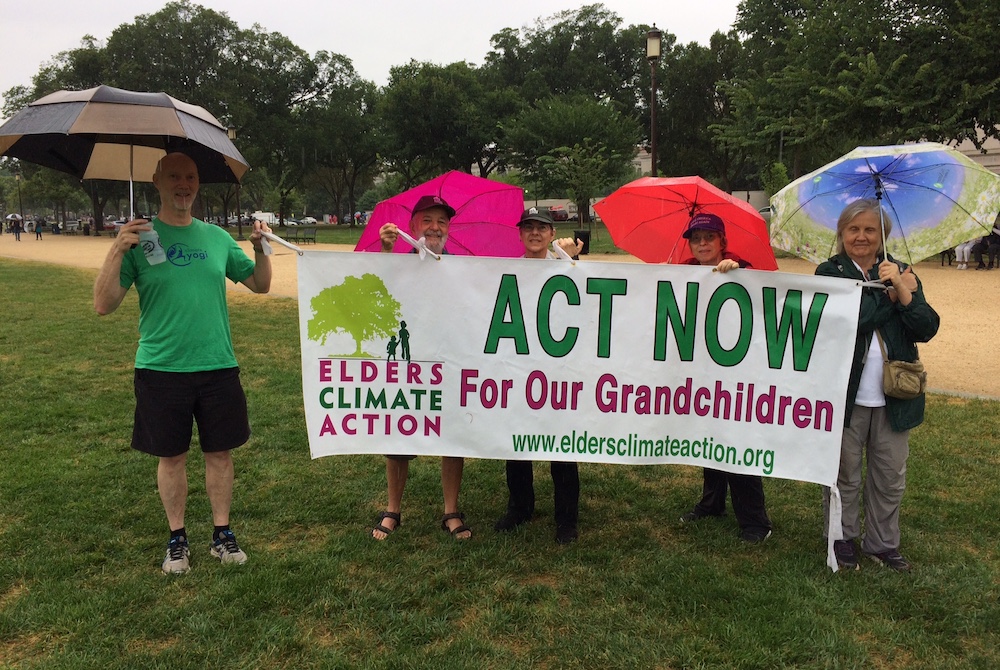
[(375, 34)]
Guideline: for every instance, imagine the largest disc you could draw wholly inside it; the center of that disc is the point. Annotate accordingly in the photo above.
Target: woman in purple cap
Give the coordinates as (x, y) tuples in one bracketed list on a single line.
[(706, 235)]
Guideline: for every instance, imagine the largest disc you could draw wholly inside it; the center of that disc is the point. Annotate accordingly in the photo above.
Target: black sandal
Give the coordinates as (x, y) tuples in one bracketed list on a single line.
[(461, 529), (388, 531)]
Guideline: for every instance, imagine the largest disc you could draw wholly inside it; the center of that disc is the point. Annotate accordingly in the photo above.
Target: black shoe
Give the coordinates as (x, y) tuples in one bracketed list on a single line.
[(696, 514), (891, 559), (510, 521), (755, 535), (847, 554), (566, 534)]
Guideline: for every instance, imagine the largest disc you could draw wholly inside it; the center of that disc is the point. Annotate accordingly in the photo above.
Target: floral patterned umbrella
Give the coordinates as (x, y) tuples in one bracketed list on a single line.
[(936, 196)]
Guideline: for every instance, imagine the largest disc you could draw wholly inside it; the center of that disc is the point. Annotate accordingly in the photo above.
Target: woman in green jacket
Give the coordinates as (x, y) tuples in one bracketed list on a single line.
[(877, 426)]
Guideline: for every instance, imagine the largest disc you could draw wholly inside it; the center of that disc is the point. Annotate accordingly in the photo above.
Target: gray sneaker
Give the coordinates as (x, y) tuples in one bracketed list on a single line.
[(227, 550), (178, 558)]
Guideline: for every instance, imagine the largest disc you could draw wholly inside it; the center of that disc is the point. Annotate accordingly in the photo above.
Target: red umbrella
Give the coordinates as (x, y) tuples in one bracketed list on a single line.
[(485, 221), (648, 217)]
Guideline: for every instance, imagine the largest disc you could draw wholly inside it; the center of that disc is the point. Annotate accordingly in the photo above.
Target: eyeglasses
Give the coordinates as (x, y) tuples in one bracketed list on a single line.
[(700, 236), (535, 227)]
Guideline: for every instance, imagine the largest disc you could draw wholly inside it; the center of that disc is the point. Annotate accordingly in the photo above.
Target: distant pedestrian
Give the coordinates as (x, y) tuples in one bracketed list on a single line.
[(39, 225), (16, 229)]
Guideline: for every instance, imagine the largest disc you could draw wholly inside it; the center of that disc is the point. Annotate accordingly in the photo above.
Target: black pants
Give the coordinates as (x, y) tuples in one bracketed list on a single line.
[(566, 483), (993, 251), (748, 498)]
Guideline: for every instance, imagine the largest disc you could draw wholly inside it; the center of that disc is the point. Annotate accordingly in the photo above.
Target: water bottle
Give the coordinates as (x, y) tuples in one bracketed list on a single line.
[(151, 247)]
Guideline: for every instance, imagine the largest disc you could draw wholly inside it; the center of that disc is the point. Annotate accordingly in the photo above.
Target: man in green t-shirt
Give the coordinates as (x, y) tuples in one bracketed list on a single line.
[(185, 367)]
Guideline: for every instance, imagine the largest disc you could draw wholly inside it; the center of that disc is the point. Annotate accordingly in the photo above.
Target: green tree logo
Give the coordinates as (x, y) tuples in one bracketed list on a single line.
[(361, 307)]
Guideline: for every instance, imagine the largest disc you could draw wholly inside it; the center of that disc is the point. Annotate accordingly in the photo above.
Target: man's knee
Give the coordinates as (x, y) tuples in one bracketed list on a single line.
[(218, 458)]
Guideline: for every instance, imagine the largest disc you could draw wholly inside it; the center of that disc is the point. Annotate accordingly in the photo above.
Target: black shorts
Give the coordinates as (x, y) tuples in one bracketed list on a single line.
[(168, 403)]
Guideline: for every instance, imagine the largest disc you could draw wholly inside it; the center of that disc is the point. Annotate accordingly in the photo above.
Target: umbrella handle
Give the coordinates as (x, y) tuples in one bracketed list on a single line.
[(420, 245), (874, 284), (282, 241)]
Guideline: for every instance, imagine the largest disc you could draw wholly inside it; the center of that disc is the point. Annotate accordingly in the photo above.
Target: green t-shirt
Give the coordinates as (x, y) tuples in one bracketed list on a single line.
[(183, 316)]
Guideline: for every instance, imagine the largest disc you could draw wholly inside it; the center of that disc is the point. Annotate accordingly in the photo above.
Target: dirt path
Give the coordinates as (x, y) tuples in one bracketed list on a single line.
[(962, 358)]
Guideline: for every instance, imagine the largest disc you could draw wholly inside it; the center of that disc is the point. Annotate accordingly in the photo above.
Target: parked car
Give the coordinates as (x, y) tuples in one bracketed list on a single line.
[(309, 221), (292, 222), (766, 212), (558, 213)]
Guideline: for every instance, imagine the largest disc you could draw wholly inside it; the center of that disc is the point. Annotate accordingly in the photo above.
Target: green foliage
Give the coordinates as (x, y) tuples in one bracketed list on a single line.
[(83, 533), (343, 130), (573, 145), (362, 307), (774, 178), (797, 82), (695, 100), (581, 52), (820, 78), (443, 116)]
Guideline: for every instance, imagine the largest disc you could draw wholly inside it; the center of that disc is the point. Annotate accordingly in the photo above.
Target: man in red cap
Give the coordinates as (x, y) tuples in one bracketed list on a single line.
[(431, 219)]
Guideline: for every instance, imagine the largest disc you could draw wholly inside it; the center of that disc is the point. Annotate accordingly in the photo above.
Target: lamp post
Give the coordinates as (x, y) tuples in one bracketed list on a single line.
[(652, 55), (239, 210)]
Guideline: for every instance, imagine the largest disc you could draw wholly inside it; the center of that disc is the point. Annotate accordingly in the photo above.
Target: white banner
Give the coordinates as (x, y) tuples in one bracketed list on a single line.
[(604, 362)]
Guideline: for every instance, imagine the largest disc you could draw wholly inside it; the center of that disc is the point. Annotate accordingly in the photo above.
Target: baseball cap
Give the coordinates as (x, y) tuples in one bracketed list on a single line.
[(705, 222), (428, 201), (534, 215)]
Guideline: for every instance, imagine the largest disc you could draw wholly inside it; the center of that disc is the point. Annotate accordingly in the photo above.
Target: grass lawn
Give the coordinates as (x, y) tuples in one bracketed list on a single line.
[(82, 534)]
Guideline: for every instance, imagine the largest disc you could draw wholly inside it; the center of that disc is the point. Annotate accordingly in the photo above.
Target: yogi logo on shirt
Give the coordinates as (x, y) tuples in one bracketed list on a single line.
[(181, 254)]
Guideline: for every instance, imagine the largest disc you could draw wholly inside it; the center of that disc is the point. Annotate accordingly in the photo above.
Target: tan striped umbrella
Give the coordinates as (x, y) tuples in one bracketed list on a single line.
[(111, 133)]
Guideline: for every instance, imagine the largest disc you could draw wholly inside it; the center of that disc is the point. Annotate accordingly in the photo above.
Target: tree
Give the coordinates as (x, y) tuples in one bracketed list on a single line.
[(442, 118), (58, 191), (360, 307), (821, 77), (184, 50), (576, 52), (695, 100), (343, 129), (573, 145)]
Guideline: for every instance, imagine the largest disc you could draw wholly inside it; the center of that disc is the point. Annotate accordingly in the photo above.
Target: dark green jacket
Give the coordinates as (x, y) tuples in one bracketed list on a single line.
[(901, 327)]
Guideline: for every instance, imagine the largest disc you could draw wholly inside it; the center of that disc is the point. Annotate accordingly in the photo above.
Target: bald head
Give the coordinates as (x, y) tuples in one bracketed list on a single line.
[(171, 160), (176, 179)]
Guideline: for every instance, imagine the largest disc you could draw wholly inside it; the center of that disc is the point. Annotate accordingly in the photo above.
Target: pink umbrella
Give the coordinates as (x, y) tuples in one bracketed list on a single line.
[(485, 221)]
